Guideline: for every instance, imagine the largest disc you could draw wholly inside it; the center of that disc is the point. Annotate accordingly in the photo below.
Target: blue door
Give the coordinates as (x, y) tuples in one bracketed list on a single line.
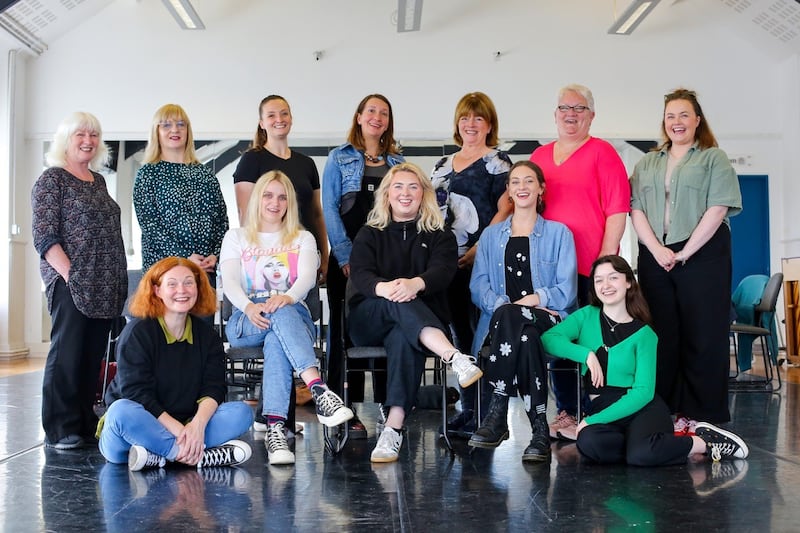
[(750, 229)]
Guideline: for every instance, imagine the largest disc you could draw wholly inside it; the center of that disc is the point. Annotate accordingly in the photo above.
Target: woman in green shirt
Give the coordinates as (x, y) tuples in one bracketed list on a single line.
[(626, 420), (681, 197)]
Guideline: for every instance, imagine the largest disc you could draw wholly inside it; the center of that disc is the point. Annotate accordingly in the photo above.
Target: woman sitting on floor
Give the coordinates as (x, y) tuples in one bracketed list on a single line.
[(268, 267), (401, 265), (524, 281), (627, 422), (166, 400)]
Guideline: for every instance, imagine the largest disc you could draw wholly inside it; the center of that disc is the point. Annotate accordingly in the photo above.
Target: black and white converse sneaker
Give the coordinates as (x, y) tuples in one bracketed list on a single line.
[(721, 444), (231, 453)]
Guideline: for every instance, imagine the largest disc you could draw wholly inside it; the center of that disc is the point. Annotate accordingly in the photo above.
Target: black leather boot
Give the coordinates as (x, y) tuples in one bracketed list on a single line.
[(494, 428), (539, 448)]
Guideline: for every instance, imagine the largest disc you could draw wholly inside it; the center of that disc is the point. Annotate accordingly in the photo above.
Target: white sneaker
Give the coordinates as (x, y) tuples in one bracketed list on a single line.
[(278, 450), (465, 368), (388, 448), (139, 457)]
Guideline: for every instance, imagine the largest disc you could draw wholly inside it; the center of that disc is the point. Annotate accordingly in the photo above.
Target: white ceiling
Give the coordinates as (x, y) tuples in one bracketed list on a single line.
[(771, 24)]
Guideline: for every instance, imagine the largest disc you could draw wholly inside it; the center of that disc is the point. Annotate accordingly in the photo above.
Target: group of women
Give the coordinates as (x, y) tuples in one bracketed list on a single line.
[(463, 263)]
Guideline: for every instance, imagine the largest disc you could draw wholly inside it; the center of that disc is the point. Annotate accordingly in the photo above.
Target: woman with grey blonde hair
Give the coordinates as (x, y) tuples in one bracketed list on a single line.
[(77, 234), (401, 265)]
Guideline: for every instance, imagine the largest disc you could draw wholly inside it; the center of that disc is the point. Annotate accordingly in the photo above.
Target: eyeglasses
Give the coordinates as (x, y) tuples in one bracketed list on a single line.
[(168, 125), (577, 108)]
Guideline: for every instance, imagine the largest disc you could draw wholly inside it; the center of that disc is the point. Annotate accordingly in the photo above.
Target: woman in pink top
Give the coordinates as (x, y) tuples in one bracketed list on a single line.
[(588, 191)]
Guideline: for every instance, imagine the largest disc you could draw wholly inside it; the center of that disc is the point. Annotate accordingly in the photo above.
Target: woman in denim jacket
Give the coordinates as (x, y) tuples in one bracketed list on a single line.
[(524, 281), (352, 173)]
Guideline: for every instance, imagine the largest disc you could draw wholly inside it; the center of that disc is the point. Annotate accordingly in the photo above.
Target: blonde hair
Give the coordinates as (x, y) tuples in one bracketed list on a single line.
[(165, 113), (290, 226), (429, 217), (80, 120), (146, 304)]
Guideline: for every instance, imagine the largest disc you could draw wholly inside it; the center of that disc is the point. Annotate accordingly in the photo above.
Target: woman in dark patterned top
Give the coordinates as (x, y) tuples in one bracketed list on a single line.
[(471, 190), (76, 231), (178, 200)]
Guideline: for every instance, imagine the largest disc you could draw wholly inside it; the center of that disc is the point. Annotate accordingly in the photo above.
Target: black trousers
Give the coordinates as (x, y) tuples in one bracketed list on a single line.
[(690, 305), (644, 438), (77, 345), (336, 284), (396, 326), (516, 362)]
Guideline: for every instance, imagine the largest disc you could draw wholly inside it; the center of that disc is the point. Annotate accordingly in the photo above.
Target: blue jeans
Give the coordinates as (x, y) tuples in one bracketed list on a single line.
[(128, 423), (288, 345)]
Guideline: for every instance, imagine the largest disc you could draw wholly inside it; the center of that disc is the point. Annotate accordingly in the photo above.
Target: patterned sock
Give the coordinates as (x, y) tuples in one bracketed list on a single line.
[(271, 420)]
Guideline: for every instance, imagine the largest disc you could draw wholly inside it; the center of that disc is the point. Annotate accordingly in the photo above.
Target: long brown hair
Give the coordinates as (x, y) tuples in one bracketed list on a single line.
[(146, 304), (356, 138), (538, 172), (634, 299), (703, 135)]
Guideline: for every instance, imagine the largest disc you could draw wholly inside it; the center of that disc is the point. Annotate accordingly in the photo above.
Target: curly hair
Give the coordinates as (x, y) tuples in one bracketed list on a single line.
[(145, 303)]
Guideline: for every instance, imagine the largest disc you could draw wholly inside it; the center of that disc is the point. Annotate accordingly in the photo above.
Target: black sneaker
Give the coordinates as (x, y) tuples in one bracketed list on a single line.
[(278, 451), (331, 411), (721, 444), (231, 453)]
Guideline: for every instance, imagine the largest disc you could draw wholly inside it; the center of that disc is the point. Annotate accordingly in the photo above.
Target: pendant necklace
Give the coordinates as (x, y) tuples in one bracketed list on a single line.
[(611, 324), (373, 158)]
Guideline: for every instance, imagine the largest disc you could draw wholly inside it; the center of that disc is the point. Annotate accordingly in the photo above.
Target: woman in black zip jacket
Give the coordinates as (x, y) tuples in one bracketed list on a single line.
[(401, 265)]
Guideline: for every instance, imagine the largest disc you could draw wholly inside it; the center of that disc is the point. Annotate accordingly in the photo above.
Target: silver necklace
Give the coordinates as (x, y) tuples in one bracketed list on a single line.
[(611, 324)]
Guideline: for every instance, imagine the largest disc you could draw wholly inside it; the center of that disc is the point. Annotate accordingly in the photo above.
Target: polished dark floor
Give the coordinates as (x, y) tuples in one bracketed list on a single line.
[(427, 490)]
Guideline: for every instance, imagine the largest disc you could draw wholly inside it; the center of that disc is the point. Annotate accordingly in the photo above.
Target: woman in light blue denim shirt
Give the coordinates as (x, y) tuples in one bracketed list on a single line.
[(352, 173), (524, 280)]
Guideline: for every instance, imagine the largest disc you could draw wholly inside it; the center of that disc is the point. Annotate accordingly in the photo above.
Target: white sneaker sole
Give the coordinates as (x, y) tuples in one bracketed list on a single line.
[(471, 379), (743, 451), (340, 416)]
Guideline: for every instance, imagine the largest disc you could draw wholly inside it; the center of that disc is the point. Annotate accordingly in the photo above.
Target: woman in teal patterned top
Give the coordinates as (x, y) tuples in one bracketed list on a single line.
[(178, 200), (627, 421)]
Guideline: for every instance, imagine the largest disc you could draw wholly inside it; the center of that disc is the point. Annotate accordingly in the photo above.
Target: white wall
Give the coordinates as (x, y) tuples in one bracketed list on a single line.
[(131, 58)]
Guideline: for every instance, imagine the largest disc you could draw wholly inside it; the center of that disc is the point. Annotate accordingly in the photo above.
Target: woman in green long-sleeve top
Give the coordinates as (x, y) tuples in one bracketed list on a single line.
[(626, 421)]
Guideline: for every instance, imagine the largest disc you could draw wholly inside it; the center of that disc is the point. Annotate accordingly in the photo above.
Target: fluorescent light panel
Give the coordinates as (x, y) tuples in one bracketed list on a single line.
[(22, 34), (632, 17), (409, 15), (185, 15)]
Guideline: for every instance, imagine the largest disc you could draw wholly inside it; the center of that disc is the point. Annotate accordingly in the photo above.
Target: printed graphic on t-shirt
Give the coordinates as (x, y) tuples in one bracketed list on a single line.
[(269, 271)]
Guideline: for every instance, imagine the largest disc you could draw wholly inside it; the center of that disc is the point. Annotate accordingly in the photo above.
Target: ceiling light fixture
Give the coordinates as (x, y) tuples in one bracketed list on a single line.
[(185, 15), (632, 17), (22, 34), (409, 15)]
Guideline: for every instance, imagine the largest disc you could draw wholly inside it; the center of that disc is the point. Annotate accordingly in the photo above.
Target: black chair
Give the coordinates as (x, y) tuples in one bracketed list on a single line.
[(336, 438), (762, 327)]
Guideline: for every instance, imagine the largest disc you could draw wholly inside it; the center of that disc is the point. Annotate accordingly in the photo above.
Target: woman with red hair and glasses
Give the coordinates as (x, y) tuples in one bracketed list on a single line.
[(166, 401)]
